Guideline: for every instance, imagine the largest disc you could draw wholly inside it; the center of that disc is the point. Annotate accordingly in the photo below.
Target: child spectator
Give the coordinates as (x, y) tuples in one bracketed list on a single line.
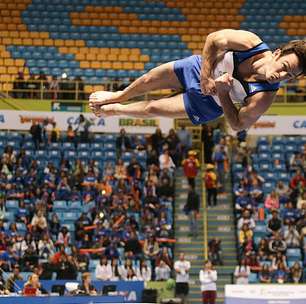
[(190, 166), (211, 185)]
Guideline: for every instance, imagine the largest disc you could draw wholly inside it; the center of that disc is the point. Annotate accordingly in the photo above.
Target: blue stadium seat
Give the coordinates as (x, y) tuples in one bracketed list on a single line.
[(109, 147), (97, 155), (12, 205), (59, 206), (293, 254), (75, 206), (253, 278), (98, 146), (83, 147)]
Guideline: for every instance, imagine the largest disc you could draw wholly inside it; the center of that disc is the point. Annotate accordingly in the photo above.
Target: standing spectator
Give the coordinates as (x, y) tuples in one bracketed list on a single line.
[(36, 133), (123, 143), (191, 165), (54, 87), (185, 141), (15, 276), (274, 224), (208, 278), (55, 133), (242, 272), (192, 207), (165, 161), (219, 158), (19, 86), (215, 251), (182, 268), (83, 128), (70, 134), (162, 271), (157, 140), (211, 185), (151, 250), (207, 140)]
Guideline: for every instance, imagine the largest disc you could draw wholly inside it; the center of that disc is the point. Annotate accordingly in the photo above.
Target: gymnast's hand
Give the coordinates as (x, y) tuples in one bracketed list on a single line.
[(208, 86), (224, 83)]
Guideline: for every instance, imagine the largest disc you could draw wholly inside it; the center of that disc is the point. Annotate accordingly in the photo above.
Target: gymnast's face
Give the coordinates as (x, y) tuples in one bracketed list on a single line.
[(282, 67)]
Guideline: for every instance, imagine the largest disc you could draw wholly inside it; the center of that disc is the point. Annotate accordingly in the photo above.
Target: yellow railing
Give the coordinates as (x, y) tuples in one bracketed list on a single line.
[(79, 90)]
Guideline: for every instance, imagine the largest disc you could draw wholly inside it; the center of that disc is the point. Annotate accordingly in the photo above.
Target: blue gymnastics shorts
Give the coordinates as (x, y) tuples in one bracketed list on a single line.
[(199, 108)]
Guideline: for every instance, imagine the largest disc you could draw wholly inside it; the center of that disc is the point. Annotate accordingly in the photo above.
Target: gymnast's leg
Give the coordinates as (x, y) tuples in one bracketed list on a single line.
[(161, 77), (172, 107)]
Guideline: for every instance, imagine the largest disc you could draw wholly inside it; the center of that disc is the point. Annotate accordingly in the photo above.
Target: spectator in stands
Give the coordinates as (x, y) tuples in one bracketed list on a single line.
[(207, 140), (115, 268), (55, 133), (45, 248), (215, 251), (19, 86), (219, 158), (281, 274), (54, 87), (165, 161), (272, 201), (103, 270), (275, 223), (135, 169), (298, 180), (39, 223), (83, 128), (124, 269), (120, 170), (157, 140), (151, 250), (162, 272), (301, 200), (296, 273), (54, 225), (15, 276), (289, 213), (191, 165), (70, 134), (291, 236), (208, 278), (185, 140), (123, 143), (277, 259), (164, 256), (64, 236), (86, 287), (66, 268), (252, 261), (165, 190), (243, 200), (182, 268), (33, 283), (36, 132), (111, 251), (246, 218), (132, 246), (131, 275), (265, 274), (211, 184), (242, 272), (192, 208), (145, 273), (277, 244), (245, 239)]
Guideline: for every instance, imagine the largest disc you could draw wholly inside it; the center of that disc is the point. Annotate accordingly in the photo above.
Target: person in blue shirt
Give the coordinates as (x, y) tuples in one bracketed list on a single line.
[(235, 66)]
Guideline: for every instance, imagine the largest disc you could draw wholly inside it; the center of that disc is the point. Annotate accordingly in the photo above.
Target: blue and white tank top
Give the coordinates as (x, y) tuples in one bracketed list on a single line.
[(242, 89)]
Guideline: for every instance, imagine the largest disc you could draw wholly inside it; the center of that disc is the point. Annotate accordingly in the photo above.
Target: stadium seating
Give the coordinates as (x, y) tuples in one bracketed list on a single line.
[(122, 39)]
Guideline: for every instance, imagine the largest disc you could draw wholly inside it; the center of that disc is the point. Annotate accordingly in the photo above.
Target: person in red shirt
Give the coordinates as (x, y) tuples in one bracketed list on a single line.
[(191, 165), (298, 180)]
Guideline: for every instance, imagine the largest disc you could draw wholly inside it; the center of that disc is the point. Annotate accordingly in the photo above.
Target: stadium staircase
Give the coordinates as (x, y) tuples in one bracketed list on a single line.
[(192, 247), (220, 221)]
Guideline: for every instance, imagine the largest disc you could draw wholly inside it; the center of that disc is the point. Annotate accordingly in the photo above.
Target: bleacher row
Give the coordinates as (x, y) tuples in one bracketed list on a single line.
[(161, 31), (271, 162)]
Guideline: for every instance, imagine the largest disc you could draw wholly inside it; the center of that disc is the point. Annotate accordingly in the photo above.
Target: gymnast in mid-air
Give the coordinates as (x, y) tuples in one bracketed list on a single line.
[(236, 66)]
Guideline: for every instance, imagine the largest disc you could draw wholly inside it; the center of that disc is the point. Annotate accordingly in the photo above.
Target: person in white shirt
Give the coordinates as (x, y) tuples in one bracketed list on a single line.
[(208, 278), (165, 161), (162, 272), (242, 272), (144, 272), (182, 268), (103, 270)]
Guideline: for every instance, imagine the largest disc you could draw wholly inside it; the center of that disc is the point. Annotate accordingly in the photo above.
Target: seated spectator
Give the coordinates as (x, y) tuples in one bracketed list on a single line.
[(246, 218), (132, 246), (111, 251), (115, 270), (298, 180), (144, 272), (45, 247), (39, 222), (122, 142), (131, 275), (242, 272), (70, 134), (162, 272), (151, 250), (120, 170), (165, 161), (86, 287), (164, 256), (277, 244), (301, 200), (289, 214), (292, 237), (134, 169), (15, 276), (296, 273), (282, 190), (245, 237), (275, 223), (124, 269), (265, 274), (55, 133), (66, 268), (33, 282), (54, 225), (22, 213), (64, 236), (165, 190), (278, 259), (243, 201), (103, 270), (281, 274), (215, 251), (272, 201), (252, 261)]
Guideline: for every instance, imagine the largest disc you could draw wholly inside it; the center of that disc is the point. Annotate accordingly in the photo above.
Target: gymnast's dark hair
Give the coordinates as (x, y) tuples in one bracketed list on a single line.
[(298, 47)]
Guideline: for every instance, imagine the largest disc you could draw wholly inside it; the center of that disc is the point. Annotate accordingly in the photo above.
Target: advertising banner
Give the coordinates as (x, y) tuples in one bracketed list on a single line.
[(279, 125), (265, 294), (22, 120)]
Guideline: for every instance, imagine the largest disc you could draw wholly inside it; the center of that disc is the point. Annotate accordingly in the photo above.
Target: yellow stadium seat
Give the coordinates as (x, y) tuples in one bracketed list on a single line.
[(7, 41), (117, 65), (21, 27), (106, 65), (301, 31), (144, 58), (5, 12), (48, 42), (69, 43), (17, 41), (16, 20), (14, 34), (294, 25), (59, 42), (135, 51), (12, 70), (124, 29), (24, 34), (134, 57), (84, 65), (95, 65), (43, 35), (112, 57), (80, 57), (73, 49), (292, 32), (37, 42), (8, 62), (3, 6), (90, 56), (19, 62), (127, 65), (138, 66), (101, 57), (123, 57), (79, 43), (34, 35), (3, 70), (63, 49)]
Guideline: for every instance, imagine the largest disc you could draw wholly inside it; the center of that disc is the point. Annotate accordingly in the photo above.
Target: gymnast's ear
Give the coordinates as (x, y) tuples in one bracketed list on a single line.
[(277, 53)]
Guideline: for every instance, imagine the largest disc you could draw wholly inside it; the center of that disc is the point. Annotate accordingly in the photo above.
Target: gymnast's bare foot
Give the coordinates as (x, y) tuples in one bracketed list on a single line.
[(99, 98), (107, 110)]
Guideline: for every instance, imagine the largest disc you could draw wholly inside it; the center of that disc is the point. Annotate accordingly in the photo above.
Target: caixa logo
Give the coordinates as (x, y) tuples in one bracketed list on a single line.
[(299, 124), (73, 121)]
